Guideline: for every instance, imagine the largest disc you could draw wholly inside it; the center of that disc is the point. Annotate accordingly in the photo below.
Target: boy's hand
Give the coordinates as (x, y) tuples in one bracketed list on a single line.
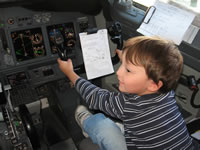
[(119, 53), (65, 66)]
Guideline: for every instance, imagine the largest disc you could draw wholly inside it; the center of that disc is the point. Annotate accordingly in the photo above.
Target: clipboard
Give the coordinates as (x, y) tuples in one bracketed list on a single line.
[(96, 53), (166, 21), (149, 13)]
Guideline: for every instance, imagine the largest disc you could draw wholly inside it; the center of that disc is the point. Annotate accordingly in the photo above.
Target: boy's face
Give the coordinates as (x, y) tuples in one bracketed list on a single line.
[(133, 79)]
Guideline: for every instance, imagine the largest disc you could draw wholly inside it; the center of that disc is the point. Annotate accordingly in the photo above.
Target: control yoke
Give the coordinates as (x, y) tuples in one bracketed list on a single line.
[(115, 31)]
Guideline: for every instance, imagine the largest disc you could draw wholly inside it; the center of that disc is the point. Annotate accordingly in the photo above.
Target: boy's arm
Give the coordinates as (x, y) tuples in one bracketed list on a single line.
[(67, 68), (97, 98), (111, 103)]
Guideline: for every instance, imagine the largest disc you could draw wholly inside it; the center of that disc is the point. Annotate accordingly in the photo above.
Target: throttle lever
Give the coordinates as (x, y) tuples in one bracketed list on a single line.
[(62, 53), (59, 42), (118, 40)]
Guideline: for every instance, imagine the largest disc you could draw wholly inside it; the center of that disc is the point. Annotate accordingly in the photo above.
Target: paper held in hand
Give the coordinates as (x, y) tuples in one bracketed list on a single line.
[(96, 54)]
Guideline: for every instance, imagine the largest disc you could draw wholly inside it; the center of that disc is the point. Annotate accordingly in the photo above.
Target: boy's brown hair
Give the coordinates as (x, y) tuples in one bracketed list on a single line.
[(161, 59)]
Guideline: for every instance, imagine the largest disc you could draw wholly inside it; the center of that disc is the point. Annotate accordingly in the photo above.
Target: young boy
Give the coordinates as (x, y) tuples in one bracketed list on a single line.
[(146, 103)]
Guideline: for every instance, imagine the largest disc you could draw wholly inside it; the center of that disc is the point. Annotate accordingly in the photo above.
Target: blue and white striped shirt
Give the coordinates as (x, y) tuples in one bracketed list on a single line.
[(150, 121)]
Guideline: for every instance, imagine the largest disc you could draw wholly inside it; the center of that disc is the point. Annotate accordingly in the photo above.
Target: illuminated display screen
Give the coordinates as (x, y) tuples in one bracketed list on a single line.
[(63, 35), (28, 44)]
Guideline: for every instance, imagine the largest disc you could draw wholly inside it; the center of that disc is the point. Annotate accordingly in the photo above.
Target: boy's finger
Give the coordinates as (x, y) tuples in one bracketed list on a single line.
[(58, 60), (119, 53), (69, 61)]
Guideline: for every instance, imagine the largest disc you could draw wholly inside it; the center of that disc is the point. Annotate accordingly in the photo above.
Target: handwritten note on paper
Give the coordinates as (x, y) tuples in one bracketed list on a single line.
[(96, 54), (168, 22)]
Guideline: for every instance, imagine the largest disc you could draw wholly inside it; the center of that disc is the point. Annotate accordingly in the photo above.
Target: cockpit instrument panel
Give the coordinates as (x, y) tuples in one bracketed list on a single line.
[(30, 40), (63, 34), (28, 44)]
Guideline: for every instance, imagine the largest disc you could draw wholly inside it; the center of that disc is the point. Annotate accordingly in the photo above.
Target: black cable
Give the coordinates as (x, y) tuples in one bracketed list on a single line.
[(193, 98), (192, 84)]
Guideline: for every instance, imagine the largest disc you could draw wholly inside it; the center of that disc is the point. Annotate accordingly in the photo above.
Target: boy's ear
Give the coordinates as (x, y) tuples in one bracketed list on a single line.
[(153, 87)]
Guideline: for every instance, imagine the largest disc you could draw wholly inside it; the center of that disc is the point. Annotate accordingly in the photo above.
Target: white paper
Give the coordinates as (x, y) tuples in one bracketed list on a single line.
[(168, 22), (96, 54)]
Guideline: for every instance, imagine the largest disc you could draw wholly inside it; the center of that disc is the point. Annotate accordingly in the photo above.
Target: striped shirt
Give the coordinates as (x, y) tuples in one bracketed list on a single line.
[(151, 122)]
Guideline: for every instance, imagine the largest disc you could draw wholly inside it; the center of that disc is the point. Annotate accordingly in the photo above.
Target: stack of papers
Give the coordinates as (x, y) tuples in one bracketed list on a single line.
[(166, 21)]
